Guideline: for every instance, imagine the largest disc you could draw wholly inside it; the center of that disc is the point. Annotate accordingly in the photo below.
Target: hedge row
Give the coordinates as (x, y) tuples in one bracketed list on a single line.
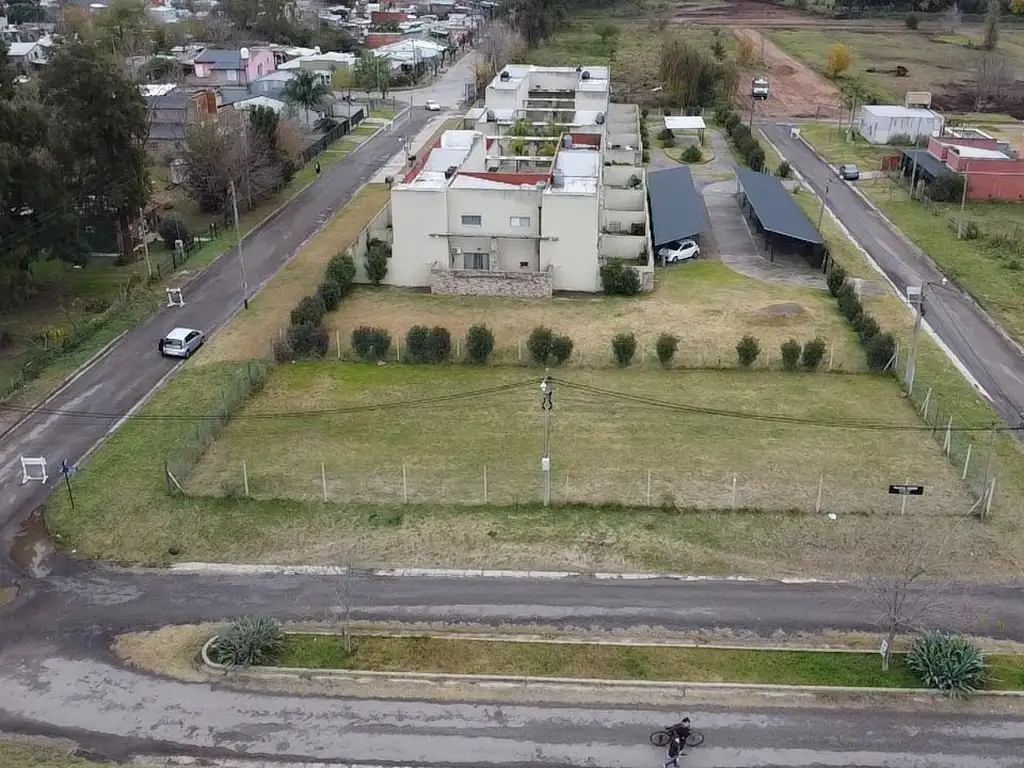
[(306, 337), (747, 145), (880, 347)]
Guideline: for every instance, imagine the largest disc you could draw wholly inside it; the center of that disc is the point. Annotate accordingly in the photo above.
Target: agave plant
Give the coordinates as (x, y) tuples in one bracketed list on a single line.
[(949, 663), (251, 641)]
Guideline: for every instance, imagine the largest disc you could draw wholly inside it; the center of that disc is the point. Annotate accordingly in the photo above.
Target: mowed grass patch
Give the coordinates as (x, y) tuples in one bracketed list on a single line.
[(830, 142), (16, 753), (707, 305), (992, 275), (603, 446), (249, 335), (584, 660)]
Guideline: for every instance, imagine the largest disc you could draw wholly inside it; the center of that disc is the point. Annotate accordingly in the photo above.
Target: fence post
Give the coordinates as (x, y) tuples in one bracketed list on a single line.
[(405, 486), (949, 436), (245, 478), (821, 485), (323, 480), (338, 339), (831, 354), (734, 492), (988, 501), (967, 461), (458, 349), (485, 483), (520, 350), (648, 487), (398, 351), (927, 403)]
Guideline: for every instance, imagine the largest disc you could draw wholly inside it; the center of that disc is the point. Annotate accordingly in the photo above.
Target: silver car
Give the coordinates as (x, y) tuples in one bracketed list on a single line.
[(181, 342)]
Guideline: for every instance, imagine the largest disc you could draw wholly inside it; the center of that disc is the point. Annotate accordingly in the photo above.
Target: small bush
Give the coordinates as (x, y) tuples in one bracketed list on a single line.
[(790, 355), (479, 344), (619, 279), (784, 171), (283, 352), (971, 231), (309, 311), (814, 352), (171, 229), (731, 122), (849, 303), (691, 154), (949, 663), (307, 341), (880, 349), (666, 347), (665, 134), (428, 345), (911, 21), (867, 327), (250, 641), (330, 292), (624, 348), (836, 278), (342, 270), (747, 350), (755, 158), (376, 260), (539, 344), (669, 142), (561, 349), (371, 343)]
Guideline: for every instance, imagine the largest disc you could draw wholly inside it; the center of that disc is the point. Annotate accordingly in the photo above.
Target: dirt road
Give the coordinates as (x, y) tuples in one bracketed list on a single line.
[(795, 91)]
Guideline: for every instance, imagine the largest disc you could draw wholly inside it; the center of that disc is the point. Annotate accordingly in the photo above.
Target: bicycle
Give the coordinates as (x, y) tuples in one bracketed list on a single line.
[(663, 737)]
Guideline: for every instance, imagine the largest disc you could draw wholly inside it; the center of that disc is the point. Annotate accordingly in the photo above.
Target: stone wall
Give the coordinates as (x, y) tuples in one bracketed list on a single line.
[(484, 282)]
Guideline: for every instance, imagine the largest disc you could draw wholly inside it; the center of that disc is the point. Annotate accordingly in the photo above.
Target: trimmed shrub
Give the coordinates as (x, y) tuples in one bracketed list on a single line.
[(971, 231), (376, 260), (691, 154), (330, 292), (666, 347), (814, 353), (371, 343), (250, 641), (747, 350), (665, 134), (416, 344), (731, 122), (669, 142), (911, 21), (836, 278), (479, 344), (539, 344), (948, 663), (867, 327), (624, 348), (172, 228), (561, 349), (790, 355), (309, 311), (784, 171), (342, 270), (428, 345), (849, 304), (308, 341), (619, 279), (880, 349), (283, 352)]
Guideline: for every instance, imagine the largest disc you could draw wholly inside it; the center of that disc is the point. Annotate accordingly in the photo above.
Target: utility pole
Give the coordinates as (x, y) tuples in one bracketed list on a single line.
[(821, 213), (963, 204), (238, 234), (752, 102), (915, 295), (145, 242), (985, 499), (546, 390)]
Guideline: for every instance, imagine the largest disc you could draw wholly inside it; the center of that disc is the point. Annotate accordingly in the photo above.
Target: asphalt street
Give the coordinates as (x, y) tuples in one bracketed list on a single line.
[(994, 361)]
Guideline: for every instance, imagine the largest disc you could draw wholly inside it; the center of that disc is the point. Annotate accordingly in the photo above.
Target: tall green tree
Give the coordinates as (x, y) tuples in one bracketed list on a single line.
[(124, 28), (25, 12), (306, 90), (373, 73), (98, 144)]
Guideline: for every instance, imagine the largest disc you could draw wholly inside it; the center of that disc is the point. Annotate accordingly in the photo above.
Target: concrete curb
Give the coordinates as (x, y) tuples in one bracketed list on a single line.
[(522, 681), (68, 381)]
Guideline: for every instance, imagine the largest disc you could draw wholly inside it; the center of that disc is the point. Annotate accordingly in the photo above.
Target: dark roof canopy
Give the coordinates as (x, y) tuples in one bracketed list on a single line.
[(775, 208), (676, 210), (927, 162), (219, 59)]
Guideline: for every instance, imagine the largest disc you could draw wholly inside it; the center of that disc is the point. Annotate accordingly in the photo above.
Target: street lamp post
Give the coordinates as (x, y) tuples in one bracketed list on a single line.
[(546, 390), (824, 197), (915, 295)]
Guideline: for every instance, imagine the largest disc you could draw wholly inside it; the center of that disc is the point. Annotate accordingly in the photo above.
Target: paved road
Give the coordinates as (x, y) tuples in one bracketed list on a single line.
[(996, 363)]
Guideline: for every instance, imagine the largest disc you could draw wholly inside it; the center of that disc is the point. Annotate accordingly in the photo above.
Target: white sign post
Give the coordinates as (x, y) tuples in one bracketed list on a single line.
[(174, 298), (33, 469)]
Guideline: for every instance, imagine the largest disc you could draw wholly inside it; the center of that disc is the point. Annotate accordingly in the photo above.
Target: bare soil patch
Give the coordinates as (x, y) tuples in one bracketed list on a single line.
[(796, 91)]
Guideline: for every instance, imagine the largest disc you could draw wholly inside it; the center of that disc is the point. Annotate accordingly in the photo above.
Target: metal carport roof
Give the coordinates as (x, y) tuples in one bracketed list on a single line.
[(927, 162), (676, 210), (775, 208)]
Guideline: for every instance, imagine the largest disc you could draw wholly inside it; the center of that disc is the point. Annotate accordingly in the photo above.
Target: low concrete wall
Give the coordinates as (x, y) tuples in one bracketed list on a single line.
[(484, 282)]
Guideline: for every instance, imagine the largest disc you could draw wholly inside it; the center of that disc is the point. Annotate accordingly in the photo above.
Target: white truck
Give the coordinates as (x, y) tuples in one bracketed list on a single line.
[(759, 88)]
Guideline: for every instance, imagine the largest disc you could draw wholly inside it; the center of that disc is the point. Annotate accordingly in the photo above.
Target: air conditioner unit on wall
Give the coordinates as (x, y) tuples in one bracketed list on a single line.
[(456, 251)]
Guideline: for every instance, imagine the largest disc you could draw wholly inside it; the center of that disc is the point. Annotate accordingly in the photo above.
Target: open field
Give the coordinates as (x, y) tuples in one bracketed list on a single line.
[(796, 91), (830, 142), (994, 275), (707, 305)]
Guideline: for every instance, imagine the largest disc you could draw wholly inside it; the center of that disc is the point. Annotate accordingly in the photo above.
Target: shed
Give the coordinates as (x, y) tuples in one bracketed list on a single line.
[(879, 123)]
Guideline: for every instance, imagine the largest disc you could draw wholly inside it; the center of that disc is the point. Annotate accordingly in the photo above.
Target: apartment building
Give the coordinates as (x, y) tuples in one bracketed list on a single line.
[(541, 186)]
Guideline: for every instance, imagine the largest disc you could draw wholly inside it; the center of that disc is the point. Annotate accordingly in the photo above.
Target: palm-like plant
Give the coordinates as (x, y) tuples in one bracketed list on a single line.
[(306, 90)]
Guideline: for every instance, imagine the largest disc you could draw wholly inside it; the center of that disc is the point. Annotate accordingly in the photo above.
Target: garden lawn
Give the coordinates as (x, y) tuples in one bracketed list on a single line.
[(830, 142)]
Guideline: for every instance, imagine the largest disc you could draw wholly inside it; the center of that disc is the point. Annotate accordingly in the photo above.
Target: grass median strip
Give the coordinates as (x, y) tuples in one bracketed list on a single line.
[(616, 662)]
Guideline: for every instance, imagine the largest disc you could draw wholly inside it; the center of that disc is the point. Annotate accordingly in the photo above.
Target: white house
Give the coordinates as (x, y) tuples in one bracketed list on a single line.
[(27, 56), (880, 123), (532, 198)]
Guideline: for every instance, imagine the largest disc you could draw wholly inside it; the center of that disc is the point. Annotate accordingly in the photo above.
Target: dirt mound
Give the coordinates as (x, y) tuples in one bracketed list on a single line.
[(785, 69)]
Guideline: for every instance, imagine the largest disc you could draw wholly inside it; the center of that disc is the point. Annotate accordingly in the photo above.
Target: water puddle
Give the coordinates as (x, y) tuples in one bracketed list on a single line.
[(31, 548)]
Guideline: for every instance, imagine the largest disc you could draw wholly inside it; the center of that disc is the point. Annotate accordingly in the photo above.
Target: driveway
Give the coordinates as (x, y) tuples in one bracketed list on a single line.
[(132, 370), (994, 361)]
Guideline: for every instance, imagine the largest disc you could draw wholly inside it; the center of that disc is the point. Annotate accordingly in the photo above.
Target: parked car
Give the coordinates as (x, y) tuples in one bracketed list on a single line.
[(181, 342), (849, 172), (432, 106), (681, 251)]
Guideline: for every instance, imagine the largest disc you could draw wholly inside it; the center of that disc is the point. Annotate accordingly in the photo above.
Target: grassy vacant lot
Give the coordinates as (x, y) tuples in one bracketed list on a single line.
[(707, 305), (603, 447), (993, 275), (830, 141), (24, 754)]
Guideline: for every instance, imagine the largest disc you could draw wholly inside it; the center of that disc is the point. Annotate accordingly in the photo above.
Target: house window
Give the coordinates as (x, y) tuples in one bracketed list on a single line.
[(477, 261), (472, 220), (524, 265), (519, 221)]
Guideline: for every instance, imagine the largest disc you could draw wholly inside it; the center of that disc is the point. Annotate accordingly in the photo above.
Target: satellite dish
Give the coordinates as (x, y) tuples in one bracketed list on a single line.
[(244, 53), (317, 50), (831, 515)]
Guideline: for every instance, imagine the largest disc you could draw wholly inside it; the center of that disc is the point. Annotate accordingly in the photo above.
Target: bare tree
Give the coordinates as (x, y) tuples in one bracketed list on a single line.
[(497, 46), (902, 591), (953, 18), (993, 78), (342, 578)]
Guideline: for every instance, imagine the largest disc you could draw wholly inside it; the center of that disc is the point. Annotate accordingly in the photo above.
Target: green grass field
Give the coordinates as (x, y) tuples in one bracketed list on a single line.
[(830, 142), (24, 754)]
